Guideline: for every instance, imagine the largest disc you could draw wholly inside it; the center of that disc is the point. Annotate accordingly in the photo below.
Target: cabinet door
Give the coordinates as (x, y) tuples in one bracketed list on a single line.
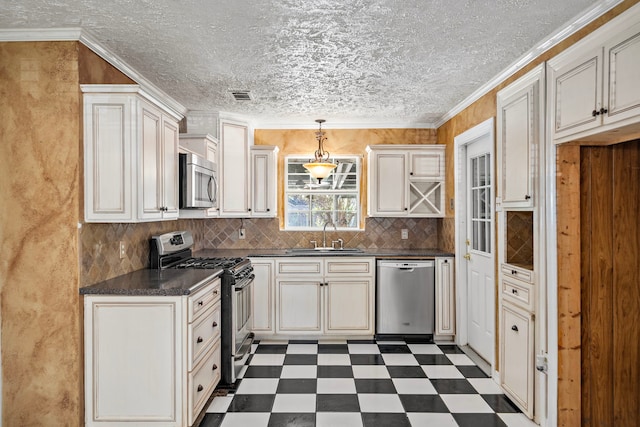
[(516, 356), (150, 163), (520, 115), (233, 167), (299, 305), (349, 306), (445, 297), (622, 62), (107, 158), (169, 170), (576, 92), (388, 184), (262, 294), (263, 182), (428, 163)]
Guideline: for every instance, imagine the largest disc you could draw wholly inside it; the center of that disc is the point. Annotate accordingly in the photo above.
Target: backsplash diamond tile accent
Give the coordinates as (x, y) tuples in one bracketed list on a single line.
[(520, 238)]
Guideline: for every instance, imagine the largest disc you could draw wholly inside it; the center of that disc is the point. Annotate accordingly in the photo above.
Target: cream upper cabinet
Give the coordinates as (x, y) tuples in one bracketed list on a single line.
[(130, 156), (520, 128), (204, 145), (406, 180), (233, 169), (593, 86), (445, 297), (264, 172)]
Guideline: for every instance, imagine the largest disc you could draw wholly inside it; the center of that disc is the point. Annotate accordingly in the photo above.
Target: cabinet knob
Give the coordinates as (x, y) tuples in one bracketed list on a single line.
[(268, 210), (199, 340), (595, 113), (200, 388), (514, 291), (215, 292), (410, 173), (527, 197), (215, 324), (603, 110), (214, 367), (514, 272), (249, 209), (514, 328), (200, 303), (406, 209)]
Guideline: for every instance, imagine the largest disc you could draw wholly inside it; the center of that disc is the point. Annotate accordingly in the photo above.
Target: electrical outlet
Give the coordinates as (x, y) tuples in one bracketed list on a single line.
[(241, 234), (404, 234), (123, 249)]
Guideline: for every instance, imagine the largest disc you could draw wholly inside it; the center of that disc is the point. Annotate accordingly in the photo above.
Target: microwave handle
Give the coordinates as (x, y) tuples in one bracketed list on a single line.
[(212, 189)]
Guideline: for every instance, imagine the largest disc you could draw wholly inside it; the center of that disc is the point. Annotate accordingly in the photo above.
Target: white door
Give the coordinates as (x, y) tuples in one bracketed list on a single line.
[(479, 247)]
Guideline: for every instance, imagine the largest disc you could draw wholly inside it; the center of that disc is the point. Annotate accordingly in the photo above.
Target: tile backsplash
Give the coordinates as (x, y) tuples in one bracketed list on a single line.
[(99, 243)]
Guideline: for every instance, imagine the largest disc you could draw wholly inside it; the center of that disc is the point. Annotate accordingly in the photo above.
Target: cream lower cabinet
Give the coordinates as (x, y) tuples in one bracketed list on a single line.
[(445, 297), (516, 356), (150, 360), (263, 296), (325, 295)]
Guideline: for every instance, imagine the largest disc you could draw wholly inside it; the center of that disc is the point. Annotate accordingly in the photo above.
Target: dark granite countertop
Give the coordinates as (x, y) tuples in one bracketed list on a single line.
[(154, 282), (377, 253)]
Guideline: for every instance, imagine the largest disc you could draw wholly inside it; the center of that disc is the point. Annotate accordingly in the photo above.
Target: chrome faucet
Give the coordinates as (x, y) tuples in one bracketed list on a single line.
[(324, 232)]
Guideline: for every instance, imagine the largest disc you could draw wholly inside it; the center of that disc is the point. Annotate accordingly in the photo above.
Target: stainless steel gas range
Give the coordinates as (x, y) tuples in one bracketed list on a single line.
[(174, 250)]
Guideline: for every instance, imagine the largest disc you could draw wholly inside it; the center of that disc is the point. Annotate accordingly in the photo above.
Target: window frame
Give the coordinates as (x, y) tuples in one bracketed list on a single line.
[(357, 193)]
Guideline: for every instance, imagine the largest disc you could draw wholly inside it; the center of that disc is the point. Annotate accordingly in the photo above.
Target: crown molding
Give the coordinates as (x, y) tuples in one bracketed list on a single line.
[(570, 28), (87, 39), (339, 125)]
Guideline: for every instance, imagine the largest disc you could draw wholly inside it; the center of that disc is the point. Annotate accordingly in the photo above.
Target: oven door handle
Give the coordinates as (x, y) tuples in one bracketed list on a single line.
[(244, 283)]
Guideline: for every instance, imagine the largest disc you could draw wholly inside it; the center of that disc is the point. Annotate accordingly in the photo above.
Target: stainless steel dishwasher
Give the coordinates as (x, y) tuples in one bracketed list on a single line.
[(405, 297)]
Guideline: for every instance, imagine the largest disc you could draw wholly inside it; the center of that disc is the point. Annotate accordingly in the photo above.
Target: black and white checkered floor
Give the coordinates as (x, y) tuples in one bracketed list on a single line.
[(362, 383)]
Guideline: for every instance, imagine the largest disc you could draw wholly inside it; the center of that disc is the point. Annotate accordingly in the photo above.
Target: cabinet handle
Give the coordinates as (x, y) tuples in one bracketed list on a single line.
[(199, 340), (214, 367), (595, 113), (514, 272), (268, 210), (514, 328), (514, 291), (200, 388), (406, 209), (215, 292), (527, 197), (603, 110), (215, 325), (249, 209), (410, 173), (200, 303)]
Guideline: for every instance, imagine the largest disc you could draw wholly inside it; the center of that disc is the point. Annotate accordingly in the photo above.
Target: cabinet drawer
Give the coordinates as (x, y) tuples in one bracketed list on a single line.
[(350, 266), (517, 272), (518, 292), (202, 333), (199, 302), (202, 381), (301, 266)]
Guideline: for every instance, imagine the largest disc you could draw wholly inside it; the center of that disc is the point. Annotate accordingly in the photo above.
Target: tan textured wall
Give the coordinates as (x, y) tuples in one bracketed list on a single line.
[(39, 176)]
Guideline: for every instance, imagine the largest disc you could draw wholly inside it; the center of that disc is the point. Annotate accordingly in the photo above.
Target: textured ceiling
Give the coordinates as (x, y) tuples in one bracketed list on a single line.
[(348, 61)]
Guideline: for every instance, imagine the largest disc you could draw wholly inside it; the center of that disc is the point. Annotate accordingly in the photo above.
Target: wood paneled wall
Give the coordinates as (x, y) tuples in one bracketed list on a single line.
[(610, 288)]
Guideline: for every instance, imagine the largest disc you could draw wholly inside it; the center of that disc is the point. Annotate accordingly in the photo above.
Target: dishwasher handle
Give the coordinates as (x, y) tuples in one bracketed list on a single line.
[(408, 265)]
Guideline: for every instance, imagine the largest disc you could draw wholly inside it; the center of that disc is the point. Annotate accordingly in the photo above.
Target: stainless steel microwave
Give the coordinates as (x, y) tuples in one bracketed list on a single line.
[(198, 182)]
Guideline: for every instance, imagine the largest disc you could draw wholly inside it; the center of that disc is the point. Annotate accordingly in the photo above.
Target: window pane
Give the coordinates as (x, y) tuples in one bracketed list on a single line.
[(298, 219), (298, 202)]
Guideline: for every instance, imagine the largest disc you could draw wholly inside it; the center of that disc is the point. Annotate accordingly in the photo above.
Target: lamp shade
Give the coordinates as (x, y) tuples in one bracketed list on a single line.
[(319, 170)]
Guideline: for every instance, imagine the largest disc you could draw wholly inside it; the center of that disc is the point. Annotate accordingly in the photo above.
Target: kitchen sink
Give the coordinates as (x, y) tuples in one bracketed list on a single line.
[(317, 251)]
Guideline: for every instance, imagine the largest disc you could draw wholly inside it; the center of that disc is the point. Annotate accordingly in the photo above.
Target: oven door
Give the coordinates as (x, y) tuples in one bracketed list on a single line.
[(243, 338)]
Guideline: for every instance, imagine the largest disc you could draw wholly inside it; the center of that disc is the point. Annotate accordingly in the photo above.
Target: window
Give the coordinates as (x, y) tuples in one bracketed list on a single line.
[(309, 205)]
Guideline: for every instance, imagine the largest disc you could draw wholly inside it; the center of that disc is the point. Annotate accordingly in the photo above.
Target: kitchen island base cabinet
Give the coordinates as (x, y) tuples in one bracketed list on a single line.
[(151, 361)]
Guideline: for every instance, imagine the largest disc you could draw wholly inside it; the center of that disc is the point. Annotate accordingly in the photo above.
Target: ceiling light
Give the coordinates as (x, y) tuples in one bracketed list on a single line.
[(320, 168)]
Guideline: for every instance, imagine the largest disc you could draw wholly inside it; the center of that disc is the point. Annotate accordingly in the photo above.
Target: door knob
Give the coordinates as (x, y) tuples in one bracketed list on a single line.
[(467, 257)]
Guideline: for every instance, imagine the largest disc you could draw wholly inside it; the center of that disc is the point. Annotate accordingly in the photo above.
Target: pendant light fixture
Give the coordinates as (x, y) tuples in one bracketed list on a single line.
[(320, 168)]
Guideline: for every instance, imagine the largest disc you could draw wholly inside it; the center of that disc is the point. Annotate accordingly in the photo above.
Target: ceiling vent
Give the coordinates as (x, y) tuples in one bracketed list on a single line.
[(241, 95)]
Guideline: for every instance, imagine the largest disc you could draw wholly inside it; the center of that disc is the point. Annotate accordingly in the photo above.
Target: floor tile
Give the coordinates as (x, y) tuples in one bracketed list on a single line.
[(258, 386), (425, 419), (379, 403), (272, 349), (423, 403), (460, 359), (337, 403), (393, 348), (432, 359), (263, 372), (375, 386), (333, 348), (292, 420), (336, 385), (466, 403), (266, 359), (485, 385), (293, 403), (500, 403), (471, 371), (414, 386), (299, 371), (334, 359), (445, 386), (370, 371), (302, 349), (406, 372), (424, 349), (479, 420), (297, 385), (242, 372), (219, 404), (251, 403), (363, 349), (301, 359), (450, 349), (212, 420), (335, 372), (338, 419), (245, 419), (381, 419), (517, 420), (440, 371), (393, 359), (366, 359)]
